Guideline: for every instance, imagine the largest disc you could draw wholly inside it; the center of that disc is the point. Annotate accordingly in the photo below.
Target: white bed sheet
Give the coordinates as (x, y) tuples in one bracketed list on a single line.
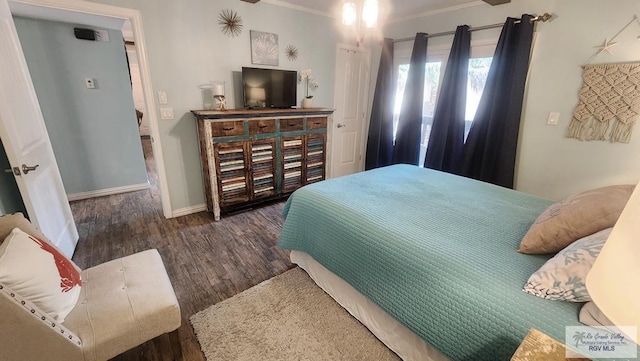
[(392, 333)]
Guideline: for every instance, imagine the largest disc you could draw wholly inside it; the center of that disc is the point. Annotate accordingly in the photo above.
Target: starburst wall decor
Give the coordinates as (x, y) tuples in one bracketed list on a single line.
[(231, 22), (292, 52)]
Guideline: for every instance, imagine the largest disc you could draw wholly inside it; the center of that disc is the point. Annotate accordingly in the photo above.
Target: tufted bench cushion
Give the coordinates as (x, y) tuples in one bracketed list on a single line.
[(124, 303)]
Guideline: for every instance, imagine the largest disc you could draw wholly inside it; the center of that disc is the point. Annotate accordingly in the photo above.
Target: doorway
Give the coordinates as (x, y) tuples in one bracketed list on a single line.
[(349, 122), (84, 88), (98, 15)]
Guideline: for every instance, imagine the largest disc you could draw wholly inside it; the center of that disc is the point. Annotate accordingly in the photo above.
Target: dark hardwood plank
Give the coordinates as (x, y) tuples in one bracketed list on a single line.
[(207, 261)]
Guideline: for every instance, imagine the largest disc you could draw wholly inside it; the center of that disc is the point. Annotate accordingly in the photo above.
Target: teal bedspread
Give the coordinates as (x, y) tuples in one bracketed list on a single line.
[(435, 251)]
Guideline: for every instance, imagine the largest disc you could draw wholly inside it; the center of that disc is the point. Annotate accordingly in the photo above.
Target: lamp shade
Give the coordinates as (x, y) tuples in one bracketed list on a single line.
[(614, 278)]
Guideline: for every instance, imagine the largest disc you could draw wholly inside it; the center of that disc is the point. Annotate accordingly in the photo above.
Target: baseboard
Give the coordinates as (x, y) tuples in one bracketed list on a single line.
[(188, 210), (107, 191)]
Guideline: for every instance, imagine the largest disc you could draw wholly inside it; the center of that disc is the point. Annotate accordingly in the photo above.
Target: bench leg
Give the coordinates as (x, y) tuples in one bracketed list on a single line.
[(176, 348)]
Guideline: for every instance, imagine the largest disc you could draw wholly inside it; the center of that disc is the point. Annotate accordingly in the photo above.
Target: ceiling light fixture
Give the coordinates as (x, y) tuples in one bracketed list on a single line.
[(360, 14), (370, 13)]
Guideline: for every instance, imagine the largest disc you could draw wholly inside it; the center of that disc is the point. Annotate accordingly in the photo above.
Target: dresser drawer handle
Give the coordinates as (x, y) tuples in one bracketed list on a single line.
[(291, 124), (228, 128), (262, 126), (317, 122)]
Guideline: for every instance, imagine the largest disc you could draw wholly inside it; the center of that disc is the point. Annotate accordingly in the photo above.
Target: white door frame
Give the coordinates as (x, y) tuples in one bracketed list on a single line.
[(365, 123), (93, 8)]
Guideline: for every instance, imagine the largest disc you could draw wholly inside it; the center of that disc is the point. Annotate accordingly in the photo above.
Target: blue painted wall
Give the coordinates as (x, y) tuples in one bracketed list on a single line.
[(186, 48), (94, 132)]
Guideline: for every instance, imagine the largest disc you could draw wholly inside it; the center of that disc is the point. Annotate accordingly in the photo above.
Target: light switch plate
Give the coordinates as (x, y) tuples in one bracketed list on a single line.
[(162, 97), (553, 118)]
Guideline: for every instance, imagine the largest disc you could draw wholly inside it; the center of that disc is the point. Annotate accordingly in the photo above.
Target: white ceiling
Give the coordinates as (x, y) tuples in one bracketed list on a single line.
[(391, 10)]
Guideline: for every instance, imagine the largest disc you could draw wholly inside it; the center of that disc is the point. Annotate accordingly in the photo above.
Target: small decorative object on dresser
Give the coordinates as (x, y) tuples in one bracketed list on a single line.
[(309, 83), (218, 94), (207, 95), (252, 156)]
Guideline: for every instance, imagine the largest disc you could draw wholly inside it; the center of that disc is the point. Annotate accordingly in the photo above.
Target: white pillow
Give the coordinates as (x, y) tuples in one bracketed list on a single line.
[(39, 273), (563, 276)]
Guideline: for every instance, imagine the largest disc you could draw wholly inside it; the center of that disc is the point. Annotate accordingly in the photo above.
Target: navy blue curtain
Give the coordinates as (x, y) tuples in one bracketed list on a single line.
[(380, 140), (447, 131), (407, 146), (489, 153)]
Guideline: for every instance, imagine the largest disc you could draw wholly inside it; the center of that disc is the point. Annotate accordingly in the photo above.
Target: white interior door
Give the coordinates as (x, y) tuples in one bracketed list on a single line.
[(27, 144), (351, 91)]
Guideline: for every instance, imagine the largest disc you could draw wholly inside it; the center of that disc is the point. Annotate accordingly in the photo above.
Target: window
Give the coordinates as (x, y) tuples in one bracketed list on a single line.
[(477, 78), (431, 86), (479, 65)]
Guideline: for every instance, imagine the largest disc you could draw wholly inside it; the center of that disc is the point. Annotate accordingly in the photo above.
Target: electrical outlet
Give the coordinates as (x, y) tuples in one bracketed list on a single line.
[(553, 118), (162, 97), (166, 113), (90, 83)]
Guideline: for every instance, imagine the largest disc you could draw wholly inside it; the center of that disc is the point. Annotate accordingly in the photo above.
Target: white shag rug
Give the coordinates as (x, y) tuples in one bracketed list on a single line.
[(285, 318)]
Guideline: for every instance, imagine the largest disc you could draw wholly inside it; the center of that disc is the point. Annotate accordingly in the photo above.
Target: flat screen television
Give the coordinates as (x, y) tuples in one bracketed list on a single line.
[(269, 88)]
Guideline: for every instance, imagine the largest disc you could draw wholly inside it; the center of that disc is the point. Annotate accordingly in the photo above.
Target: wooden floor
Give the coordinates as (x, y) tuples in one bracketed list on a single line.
[(207, 261)]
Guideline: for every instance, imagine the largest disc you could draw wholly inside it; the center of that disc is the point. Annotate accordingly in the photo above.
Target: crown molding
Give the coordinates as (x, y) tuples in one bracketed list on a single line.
[(437, 11), (391, 21), (298, 7)]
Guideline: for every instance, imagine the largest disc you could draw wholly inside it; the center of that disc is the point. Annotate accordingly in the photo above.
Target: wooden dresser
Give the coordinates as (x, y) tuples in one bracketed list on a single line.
[(251, 156)]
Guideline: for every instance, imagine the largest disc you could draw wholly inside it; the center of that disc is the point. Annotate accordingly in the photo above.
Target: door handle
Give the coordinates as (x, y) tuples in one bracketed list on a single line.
[(26, 169), (341, 125)]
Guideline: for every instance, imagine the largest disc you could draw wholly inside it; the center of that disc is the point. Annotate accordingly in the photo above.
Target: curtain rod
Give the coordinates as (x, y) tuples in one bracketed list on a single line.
[(544, 18)]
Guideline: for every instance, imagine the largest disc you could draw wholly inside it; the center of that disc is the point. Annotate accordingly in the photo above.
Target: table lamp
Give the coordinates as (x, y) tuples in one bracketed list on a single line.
[(615, 276)]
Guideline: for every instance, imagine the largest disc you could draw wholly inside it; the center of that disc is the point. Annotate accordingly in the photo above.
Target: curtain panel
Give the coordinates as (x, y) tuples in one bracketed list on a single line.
[(380, 138), (489, 153), (447, 131), (407, 144)]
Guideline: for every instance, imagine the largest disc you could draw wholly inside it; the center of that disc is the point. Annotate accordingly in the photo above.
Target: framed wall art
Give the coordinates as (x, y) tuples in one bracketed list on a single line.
[(264, 48)]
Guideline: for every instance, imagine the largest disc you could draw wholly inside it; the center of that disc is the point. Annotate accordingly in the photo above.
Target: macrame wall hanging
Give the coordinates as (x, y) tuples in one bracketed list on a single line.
[(609, 103), (609, 100)]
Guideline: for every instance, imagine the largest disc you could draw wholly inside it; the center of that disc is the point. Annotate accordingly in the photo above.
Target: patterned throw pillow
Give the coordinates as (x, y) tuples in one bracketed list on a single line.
[(563, 276), (38, 272)]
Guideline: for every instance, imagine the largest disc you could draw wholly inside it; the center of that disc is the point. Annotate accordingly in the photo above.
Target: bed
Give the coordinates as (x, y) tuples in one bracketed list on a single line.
[(426, 260)]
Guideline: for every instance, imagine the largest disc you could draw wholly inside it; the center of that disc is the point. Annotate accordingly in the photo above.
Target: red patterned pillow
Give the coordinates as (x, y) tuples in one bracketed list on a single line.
[(40, 273)]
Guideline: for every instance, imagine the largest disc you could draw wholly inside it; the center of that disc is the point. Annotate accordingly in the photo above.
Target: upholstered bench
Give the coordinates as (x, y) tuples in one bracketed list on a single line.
[(122, 304)]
